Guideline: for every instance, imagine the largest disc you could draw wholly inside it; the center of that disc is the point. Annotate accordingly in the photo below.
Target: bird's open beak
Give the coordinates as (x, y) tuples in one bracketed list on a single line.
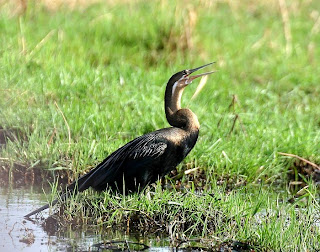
[(191, 78)]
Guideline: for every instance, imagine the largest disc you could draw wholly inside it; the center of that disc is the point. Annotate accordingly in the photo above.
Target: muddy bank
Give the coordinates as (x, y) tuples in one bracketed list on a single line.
[(16, 233), (14, 173), (11, 134), (18, 174)]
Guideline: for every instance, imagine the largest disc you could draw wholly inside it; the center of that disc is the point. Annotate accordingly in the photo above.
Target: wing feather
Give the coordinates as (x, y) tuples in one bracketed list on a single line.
[(132, 158)]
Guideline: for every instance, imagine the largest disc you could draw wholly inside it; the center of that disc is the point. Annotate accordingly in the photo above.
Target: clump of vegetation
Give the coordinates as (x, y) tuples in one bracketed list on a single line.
[(252, 215), (77, 82)]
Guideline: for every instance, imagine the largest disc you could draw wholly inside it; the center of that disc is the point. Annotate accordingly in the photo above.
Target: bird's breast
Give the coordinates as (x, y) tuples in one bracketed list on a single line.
[(182, 140)]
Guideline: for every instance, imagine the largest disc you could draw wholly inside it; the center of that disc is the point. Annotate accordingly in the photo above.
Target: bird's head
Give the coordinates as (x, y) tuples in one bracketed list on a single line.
[(183, 78), (173, 94), (176, 85)]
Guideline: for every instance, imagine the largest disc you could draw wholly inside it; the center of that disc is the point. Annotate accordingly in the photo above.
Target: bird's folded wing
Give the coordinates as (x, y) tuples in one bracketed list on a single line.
[(138, 154)]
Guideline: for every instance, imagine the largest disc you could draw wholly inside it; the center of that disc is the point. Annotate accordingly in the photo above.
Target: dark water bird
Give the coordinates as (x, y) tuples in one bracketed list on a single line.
[(148, 157)]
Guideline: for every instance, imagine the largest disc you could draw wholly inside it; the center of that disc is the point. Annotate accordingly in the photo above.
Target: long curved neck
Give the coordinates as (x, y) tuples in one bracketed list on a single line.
[(176, 116)]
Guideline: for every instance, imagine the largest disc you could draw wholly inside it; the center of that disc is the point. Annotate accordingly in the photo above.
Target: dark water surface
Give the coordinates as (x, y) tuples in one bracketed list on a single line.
[(18, 234)]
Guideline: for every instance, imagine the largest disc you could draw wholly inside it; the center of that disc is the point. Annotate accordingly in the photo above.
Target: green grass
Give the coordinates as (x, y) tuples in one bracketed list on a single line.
[(106, 66), (255, 215)]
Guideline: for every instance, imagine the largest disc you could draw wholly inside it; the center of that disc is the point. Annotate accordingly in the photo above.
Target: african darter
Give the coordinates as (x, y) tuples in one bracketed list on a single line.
[(151, 156)]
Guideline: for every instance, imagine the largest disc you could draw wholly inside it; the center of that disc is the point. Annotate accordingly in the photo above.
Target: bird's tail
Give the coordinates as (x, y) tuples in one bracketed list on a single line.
[(79, 185), (62, 198), (41, 209)]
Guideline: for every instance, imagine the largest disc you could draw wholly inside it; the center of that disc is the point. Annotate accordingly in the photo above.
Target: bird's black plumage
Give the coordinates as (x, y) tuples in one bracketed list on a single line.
[(151, 156), (139, 162)]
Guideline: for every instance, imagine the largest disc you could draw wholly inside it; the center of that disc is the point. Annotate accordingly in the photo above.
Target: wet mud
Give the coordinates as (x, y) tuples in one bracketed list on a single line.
[(18, 175), (300, 172), (11, 134)]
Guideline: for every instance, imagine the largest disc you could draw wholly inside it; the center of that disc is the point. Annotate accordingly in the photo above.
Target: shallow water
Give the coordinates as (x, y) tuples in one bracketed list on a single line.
[(18, 234)]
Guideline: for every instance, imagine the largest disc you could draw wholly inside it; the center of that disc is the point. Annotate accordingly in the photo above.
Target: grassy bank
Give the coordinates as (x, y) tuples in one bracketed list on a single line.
[(78, 82)]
